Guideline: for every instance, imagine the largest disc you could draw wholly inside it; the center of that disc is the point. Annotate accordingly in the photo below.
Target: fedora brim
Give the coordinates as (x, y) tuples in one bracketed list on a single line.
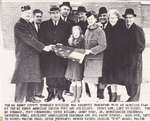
[(124, 15), (65, 5)]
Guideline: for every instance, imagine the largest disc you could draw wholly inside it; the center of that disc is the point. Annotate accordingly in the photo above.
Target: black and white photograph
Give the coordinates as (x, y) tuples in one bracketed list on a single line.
[(74, 60)]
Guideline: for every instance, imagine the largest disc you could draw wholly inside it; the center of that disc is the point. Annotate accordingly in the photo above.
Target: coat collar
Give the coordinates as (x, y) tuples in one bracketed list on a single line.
[(92, 27), (29, 26), (64, 19), (132, 26), (23, 21), (59, 22)]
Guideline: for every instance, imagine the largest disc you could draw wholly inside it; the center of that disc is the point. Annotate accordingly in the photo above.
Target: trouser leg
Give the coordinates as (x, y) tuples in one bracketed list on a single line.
[(87, 89), (20, 92), (68, 83), (100, 89), (30, 90), (39, 88), (113, 93), (50, 89), (60, 95)]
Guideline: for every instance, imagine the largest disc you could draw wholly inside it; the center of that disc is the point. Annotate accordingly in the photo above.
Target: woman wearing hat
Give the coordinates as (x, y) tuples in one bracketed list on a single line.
[(116, 55), (136, 38), (82, 18), (95, 43)]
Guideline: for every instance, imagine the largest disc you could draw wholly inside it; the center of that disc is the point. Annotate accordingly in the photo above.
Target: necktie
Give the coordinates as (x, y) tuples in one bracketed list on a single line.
[(38, 27), (55, 23), (65, 19), (128, 26)]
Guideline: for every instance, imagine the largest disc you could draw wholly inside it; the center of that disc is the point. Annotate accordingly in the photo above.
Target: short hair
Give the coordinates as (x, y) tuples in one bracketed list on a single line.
[(37, 11), (115, 12)]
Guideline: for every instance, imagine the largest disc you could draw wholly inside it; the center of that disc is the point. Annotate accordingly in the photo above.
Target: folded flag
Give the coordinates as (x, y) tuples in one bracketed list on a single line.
[(74, 54)]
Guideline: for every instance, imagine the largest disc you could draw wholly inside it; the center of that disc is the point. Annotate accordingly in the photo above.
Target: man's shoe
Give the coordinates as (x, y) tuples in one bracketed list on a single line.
[(109, 93), (49, 98), (61, 98), (100, 93), (130, 99), (33, 100)]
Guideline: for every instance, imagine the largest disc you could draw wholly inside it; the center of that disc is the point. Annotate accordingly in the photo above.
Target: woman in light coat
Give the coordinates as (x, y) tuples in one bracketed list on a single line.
[(95, 44)]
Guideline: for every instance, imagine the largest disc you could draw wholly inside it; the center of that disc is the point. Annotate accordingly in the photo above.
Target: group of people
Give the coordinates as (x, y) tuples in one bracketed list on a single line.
[(113, 46)]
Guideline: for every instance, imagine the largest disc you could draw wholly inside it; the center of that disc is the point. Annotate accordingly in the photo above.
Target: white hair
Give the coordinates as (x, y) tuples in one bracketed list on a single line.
[(115, 12)]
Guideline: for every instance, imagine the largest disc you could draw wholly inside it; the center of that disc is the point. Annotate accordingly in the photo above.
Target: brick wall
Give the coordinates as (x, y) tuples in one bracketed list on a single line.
[(11, 11)]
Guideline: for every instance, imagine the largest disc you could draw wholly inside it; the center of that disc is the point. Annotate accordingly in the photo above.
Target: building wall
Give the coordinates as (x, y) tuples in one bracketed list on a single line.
[(11, 11)]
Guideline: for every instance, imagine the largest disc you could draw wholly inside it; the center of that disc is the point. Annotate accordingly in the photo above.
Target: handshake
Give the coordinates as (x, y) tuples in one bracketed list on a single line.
[(49, 48)]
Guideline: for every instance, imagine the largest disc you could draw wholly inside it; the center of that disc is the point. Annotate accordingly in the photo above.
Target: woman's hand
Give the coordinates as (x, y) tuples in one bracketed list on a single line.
[(87, 52)]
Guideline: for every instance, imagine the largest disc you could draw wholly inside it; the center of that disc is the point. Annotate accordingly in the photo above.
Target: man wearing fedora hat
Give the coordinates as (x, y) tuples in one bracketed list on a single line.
[(103, 22), (54, 31), (103, 17), (65, 9), (27, 49), (136, 40)]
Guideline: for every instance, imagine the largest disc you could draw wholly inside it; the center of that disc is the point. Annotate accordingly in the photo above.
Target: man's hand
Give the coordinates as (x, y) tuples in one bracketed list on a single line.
[(49, 48)]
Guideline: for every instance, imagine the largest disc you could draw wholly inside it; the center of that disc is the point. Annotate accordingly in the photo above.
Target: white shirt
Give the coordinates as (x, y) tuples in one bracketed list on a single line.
[(55, 23), (64, 18), (36, 27)]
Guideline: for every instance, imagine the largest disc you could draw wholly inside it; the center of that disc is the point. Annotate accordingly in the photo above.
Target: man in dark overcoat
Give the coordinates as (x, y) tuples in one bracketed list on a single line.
[(65, 9), (54, 31), (37, 20), (136, 39), (27, 49)]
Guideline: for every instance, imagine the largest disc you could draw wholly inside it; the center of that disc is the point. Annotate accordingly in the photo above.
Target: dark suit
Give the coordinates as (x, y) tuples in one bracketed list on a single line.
[(39, 86), (136, 38), (69, 24), (27, 49), (53, 66)]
